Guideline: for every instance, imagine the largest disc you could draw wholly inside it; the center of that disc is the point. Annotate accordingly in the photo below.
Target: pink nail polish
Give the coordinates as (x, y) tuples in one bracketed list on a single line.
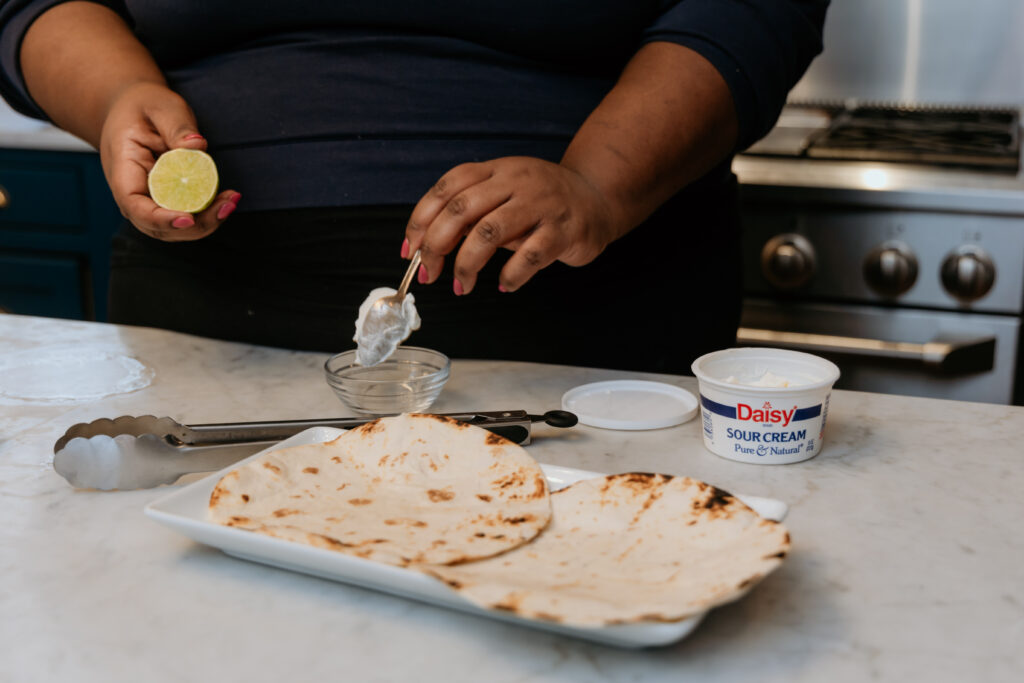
[(457, 288), (234, 200), (405, 249), (501, 288), (226, 210), (193, 136), (422, 276), (183, 222)]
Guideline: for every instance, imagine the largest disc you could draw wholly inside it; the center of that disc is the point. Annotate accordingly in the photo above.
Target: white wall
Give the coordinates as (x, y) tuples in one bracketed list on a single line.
[(924, 51)]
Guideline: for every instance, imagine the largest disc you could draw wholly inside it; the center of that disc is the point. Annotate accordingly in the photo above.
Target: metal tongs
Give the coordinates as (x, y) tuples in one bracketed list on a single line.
[(142, 452)]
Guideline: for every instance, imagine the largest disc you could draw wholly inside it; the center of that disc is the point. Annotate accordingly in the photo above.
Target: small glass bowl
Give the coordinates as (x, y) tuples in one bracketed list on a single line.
[(409, 381)]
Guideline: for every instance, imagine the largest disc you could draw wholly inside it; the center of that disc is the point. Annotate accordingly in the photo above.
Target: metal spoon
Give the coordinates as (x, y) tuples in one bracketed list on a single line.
[(394, 301), (385, 320)]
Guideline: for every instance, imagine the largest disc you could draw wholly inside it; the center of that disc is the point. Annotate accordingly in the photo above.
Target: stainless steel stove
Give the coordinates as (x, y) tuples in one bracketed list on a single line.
[(890, 239), (984, 138)]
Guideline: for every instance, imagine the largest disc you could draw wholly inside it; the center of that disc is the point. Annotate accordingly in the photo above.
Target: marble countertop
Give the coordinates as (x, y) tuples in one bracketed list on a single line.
[(22, 132), (906, 563)]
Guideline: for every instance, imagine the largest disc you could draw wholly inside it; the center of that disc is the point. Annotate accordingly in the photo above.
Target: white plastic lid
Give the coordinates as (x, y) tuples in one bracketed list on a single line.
[(630, 404)]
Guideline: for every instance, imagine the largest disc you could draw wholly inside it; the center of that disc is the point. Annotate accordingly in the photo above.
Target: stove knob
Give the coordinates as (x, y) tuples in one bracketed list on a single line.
[(968, 273), (890, 269), (788, 261)]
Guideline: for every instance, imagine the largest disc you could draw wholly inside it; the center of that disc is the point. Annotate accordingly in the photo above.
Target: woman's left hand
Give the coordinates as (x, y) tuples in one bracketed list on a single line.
[(542, 211)]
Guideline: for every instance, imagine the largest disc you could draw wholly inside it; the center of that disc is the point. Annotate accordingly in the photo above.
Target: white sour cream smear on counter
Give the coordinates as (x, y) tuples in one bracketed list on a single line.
[(380, 330)]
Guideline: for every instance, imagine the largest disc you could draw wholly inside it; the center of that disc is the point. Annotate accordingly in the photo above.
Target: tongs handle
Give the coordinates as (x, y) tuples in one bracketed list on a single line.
[(514, 425)]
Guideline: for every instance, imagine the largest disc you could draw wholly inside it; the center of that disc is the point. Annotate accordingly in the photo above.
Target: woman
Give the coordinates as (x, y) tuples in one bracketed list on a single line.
[(563, 167)]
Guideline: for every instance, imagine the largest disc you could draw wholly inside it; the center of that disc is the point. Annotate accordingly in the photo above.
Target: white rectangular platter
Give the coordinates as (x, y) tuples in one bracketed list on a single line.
[(185, 510)]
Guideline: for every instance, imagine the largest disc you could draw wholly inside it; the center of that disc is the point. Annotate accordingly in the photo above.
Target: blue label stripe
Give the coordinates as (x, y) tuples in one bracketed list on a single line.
[(730, 411), (718, 408), (807, 413)]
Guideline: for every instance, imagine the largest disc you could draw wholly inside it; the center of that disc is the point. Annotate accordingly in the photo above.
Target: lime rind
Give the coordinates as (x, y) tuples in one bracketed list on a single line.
[(183, 180)]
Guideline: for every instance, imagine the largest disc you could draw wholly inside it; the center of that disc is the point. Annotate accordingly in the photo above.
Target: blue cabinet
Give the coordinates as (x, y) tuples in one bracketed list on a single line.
[(56, 221)]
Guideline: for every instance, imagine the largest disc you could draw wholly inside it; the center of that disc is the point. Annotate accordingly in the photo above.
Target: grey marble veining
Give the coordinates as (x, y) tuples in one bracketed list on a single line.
[(907, 562)]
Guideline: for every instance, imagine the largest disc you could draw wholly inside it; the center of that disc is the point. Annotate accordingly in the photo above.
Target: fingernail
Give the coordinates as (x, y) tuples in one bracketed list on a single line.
[(183, 222), (234, 200), (225, 210), (421, 276), (405, 249), (193, 136), (501, 288), (457, 288)]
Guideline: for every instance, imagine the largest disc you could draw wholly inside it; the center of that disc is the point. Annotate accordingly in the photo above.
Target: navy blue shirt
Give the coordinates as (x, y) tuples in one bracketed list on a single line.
[(309, 103)]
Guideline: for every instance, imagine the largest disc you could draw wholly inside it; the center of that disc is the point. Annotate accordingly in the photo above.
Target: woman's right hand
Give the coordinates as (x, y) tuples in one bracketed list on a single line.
[(143, 121)]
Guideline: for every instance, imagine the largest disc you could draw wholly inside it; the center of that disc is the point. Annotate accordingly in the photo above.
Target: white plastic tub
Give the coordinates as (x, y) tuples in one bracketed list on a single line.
[(766, 425)]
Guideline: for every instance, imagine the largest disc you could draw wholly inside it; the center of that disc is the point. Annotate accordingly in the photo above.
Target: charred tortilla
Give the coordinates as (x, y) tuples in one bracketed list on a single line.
[(628, 548), (400, 490)]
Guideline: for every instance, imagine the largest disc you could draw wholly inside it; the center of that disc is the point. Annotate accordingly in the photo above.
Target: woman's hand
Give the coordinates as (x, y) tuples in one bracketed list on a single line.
[(144, 121), (668, 120), (542, 211)]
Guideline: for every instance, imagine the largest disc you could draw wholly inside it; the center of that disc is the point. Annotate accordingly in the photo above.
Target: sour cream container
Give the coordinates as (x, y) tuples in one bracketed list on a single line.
[(745, 419)]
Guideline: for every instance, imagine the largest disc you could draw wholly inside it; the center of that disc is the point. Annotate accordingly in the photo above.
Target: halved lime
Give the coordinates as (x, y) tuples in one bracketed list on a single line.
[(183, 180)]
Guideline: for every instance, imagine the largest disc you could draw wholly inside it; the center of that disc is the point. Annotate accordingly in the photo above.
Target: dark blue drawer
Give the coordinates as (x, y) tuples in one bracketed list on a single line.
[(48, 197), (49, 286)]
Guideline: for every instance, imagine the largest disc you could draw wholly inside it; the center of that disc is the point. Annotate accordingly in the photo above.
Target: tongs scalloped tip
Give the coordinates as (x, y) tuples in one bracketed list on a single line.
[(130, 425)]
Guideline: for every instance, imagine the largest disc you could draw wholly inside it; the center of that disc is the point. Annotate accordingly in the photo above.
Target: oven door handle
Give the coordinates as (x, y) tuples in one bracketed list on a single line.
[(948, 353)]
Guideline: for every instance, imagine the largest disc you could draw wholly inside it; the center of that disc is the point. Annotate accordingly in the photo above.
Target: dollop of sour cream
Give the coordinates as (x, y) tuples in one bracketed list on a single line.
[(379, 330), (768, 379)]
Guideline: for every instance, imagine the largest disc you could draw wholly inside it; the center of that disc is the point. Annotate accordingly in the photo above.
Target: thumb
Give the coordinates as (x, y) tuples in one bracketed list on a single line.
[(176, 124)]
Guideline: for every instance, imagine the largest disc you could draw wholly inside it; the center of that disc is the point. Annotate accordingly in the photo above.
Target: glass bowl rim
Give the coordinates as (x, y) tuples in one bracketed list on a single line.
[(442, 372)]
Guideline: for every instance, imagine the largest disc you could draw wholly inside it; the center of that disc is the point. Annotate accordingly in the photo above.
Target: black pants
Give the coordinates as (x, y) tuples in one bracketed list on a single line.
[(653, 301)]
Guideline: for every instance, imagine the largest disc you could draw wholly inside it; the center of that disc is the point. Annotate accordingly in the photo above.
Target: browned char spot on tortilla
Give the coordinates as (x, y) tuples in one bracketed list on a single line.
[(513, 479), (405, 520), (284, 512), (335, 459), (235, 520), (781, 555), (383, 461), (273, 468), (540, 487), (327, 542), (311, 470), (484, 497), (654, 495), (635, 481), (517, 520), (370, 427), (493, 439), (509, 603), (444, 419), (438, 495), (717, 501), (359, 501), (218, 492), (245, 497)]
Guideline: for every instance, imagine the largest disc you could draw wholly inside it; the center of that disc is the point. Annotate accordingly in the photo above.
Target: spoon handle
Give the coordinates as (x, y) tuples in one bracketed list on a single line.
[(407, 280)]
